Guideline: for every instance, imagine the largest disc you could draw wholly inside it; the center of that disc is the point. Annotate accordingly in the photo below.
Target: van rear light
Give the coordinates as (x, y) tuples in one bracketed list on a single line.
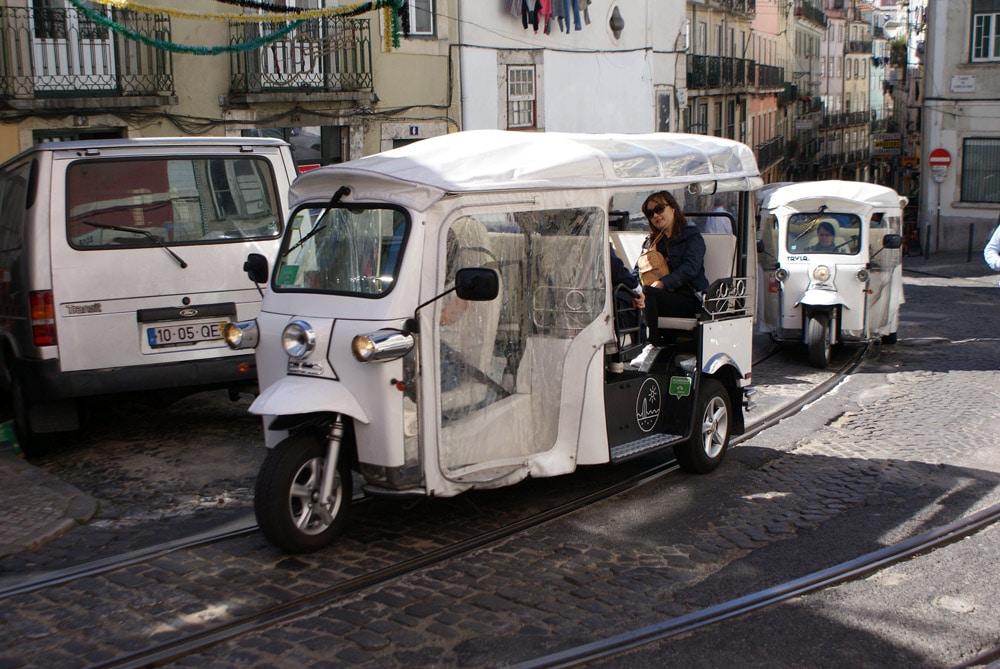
[(43, 318)]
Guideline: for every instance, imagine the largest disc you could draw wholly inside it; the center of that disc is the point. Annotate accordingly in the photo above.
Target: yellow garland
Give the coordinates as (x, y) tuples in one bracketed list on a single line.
[(386, 28), (248, 18)]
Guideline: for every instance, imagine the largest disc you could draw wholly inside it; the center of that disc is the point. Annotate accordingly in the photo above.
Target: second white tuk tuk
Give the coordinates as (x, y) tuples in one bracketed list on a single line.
[(831, 259), (440, 318)]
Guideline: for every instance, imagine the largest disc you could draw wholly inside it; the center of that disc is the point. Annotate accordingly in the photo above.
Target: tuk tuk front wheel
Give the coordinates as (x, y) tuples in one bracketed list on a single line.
[(818, 340), (286, 496), (709, 440)]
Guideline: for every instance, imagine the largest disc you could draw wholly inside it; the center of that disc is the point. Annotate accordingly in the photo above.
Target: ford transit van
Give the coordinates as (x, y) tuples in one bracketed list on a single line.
[(121, 263)]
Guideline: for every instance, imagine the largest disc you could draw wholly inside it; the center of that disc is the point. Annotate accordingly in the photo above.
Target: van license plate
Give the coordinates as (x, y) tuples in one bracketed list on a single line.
[(184, 334)]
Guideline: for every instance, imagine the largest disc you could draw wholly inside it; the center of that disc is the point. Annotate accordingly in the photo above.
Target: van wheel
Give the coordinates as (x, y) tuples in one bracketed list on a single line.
[(32, 443), (704, 450), (286, 496), (818, 340)]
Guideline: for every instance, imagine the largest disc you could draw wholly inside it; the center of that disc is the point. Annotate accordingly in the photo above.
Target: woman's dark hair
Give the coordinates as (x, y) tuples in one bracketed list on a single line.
[(680, 221), (828, 226)]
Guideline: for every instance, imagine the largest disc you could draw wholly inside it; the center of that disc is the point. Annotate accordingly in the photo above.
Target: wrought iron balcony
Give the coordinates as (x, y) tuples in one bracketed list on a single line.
[(706, 72), (326, 55), (858, 46), (769, 77), (61, 58), (810, 12), (770, 153)]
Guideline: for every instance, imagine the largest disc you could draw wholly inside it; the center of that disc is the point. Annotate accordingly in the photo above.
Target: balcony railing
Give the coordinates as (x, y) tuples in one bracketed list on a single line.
[(718, 72), (861, 46), (810, 12), (328, 54), (846, 119), (770, 152), (61, 53), (770, 76), (744, 7)]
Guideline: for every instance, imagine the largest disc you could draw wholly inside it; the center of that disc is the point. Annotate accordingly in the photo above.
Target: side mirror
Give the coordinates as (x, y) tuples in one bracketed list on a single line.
[(892, 241), (256, 268), (477, 284)]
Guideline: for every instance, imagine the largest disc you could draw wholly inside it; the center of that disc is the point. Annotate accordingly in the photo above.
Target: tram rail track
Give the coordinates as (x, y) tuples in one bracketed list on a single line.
[(811, 583), (270, 616)]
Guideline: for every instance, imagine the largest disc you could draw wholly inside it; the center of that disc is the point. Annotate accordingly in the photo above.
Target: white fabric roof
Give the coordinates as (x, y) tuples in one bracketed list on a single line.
[(872, 194), (419, 174)]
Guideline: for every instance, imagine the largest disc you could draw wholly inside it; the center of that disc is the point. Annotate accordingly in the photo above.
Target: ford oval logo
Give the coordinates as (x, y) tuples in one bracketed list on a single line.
[(188, 313)]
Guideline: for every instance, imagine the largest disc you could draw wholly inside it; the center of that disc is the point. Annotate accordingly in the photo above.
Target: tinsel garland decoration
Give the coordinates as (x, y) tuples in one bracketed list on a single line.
[(396, 13), (349, 10), (101, 19)]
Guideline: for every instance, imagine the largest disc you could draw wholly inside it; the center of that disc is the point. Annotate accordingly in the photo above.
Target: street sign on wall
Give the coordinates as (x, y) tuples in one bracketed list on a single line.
[(939, 160)]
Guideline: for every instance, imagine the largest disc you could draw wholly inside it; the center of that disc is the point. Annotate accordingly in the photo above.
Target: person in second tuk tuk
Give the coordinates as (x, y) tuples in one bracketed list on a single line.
[(825, 236), (679, 291)]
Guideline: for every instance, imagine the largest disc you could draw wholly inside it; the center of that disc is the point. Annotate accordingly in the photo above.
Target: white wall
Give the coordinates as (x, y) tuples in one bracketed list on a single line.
[(480, 89), (590, 92)]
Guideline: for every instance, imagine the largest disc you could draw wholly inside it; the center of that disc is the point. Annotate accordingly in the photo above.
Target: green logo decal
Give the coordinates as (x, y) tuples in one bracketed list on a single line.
[(680, 386)]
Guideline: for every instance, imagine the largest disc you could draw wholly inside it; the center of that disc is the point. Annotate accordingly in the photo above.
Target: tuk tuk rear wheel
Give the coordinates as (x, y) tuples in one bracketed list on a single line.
[(286, 496), (704, 450), (818, 340)]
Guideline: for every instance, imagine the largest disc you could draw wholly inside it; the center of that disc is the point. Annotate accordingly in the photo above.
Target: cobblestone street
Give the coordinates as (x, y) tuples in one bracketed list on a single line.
[(902, 446)]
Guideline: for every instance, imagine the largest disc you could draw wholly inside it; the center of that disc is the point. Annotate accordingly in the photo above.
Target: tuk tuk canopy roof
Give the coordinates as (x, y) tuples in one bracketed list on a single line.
[(419, 174), (814, 193)]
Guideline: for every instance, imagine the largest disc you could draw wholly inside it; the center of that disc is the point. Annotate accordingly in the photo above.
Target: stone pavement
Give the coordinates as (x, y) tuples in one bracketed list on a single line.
[(38, 507)]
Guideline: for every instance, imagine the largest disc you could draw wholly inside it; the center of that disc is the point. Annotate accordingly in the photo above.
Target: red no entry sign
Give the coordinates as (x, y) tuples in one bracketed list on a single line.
[(939, 157)]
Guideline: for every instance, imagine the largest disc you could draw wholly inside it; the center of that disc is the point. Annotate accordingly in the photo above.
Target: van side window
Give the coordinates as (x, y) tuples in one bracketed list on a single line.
[(13, 211), (143, 202)]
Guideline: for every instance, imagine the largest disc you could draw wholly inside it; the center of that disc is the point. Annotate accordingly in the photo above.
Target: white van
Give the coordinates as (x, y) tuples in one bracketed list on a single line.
[(120, 264)]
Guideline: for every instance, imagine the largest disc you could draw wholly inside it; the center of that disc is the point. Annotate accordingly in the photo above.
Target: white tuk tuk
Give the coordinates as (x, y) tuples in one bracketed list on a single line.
[(830, 255), (440, 318)]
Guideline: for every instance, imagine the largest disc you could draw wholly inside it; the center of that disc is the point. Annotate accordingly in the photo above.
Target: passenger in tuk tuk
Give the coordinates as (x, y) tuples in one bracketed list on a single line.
[(825, 236), (680, 292)]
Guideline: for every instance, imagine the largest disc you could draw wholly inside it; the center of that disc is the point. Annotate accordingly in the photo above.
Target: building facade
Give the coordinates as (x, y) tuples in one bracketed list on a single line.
[(960, 161)]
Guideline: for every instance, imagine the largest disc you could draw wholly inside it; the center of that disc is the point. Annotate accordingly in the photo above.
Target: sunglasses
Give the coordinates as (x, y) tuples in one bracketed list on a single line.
[(658, 209)]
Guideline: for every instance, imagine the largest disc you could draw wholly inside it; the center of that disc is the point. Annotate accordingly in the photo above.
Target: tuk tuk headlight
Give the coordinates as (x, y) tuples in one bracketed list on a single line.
[(781, 274), (241, 335), (382, 345), (863, 275), (298, 339), (821, 273)]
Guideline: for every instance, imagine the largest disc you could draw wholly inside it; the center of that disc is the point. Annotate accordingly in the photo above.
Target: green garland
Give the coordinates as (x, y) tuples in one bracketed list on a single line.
[(101, 19)]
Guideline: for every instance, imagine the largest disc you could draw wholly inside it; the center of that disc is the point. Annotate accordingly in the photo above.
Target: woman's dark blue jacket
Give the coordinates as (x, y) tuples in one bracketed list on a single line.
[(686, 259)]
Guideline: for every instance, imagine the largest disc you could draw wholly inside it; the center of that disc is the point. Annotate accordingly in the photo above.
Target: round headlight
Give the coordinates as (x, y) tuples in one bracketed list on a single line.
[(862, 275), (363, 348), (298, 339), (781, 274), (241, 335), (821, 273), (382, 345)]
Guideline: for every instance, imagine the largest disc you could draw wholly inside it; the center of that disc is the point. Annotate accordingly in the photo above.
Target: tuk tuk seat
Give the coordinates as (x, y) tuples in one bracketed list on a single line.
[(720, 259)]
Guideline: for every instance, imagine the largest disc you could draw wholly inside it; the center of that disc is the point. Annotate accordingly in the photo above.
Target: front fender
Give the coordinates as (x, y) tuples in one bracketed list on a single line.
[(301, 394), (820, 298)]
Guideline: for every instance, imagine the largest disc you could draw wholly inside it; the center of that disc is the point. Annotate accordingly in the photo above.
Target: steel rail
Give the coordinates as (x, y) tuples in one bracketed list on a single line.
[(177, 648), (246, 528), (172, 650), (810, 583)]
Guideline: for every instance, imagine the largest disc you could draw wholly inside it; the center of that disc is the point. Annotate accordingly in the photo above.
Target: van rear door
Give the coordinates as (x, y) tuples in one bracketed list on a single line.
[(147, 249)]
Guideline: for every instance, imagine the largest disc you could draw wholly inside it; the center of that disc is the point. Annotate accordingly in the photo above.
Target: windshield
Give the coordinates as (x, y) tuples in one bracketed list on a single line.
[(150, 201), (824, 233), (353, 250)]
